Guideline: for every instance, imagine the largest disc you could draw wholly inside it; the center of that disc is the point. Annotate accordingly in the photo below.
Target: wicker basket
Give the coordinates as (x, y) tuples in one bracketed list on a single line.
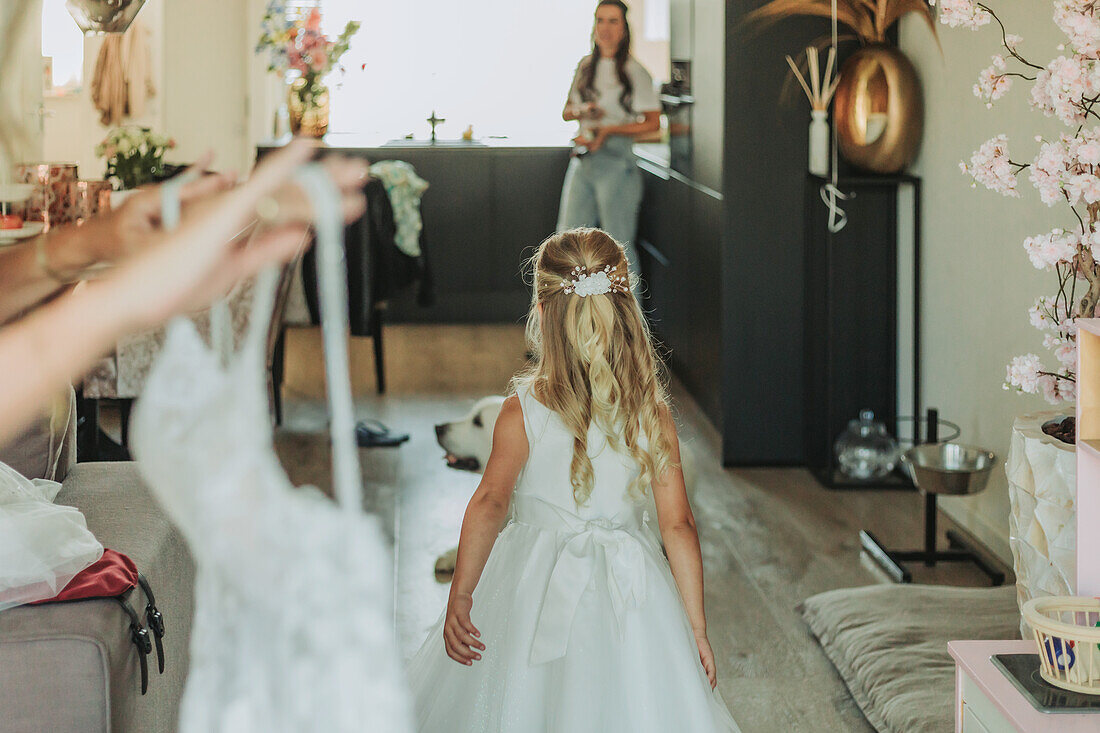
[(1067, 629)]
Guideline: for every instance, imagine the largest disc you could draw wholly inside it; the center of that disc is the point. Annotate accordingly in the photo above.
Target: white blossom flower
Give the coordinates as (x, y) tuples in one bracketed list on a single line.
[(991, 167), (1023, 373), (965, 13), (992, 82)]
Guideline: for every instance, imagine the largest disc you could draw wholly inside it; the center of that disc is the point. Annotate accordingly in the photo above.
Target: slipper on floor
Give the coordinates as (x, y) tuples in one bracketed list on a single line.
[(373, 434)]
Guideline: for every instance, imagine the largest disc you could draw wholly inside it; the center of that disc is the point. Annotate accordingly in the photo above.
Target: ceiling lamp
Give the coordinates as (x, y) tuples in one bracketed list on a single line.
[(103, 16)]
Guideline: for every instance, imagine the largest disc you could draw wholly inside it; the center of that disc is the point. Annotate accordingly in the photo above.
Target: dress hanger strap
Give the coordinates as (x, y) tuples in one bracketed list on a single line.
[(333, 290), (221, 321)]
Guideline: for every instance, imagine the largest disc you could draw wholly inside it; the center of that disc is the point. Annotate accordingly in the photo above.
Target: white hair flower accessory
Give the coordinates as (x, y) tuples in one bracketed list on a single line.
[(595, 283)]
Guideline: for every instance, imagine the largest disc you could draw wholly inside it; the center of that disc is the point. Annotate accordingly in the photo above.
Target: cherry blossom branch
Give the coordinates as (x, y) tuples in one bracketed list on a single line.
[(1004, 38), (1062, 277), (1067, 377), (1072, 294), (1075, 213)]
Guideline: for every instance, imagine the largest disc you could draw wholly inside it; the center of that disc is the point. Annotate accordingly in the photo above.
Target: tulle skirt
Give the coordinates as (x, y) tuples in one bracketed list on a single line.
[(634, 669), (42, 545)]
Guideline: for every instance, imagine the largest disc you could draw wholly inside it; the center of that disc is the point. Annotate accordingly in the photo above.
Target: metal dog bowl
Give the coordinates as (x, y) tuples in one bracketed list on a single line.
[(949, 468)]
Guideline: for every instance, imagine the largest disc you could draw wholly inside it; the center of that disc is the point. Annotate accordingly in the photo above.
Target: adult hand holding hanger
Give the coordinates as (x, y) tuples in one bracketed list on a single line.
[(188, 268), (176, 272), (70, 252)]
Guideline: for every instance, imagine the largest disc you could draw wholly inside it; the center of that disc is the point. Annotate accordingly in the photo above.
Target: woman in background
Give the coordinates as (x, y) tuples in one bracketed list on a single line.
[(613, 99)]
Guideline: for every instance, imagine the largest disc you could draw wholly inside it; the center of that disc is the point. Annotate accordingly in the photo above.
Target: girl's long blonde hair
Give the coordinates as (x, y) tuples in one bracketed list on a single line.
[(594, 359)]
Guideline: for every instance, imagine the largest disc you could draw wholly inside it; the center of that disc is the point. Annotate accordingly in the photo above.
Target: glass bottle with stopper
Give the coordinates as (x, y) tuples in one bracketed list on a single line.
[(866, 451)]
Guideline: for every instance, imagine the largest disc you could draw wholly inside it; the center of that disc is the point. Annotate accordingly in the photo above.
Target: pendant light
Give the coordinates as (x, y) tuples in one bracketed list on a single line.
[(103, 16)]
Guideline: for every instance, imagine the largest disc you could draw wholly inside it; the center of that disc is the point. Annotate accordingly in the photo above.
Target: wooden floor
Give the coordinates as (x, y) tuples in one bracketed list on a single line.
[(770, 537)]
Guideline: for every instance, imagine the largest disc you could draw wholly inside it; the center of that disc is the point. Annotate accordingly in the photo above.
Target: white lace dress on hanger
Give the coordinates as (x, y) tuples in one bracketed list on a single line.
[(293, 625)]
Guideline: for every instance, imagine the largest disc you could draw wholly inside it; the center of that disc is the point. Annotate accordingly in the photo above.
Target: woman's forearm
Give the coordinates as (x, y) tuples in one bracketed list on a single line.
[(632, 128), (49, 349), (66, 250), (686, 560), (480, 526)]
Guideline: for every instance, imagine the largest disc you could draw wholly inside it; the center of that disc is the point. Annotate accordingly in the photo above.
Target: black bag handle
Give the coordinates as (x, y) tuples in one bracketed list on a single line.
[(154, 618), (140, 636)]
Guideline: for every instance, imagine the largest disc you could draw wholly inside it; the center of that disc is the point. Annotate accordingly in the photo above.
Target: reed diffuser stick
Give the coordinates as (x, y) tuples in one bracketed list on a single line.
[(820, 88)]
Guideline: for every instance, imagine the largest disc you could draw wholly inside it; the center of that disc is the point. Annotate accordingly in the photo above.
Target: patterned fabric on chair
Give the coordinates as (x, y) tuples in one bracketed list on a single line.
[(121, 375)]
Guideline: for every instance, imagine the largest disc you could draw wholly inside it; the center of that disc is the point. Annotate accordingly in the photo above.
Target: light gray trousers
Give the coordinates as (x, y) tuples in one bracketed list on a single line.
[(604, 189)]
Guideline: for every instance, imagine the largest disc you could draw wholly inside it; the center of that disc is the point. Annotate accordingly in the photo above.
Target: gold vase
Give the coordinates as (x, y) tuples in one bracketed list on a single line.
[(879, 110), (307, 105)]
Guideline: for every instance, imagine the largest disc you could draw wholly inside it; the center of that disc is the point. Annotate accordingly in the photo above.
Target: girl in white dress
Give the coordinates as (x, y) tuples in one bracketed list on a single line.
[(571, 619)]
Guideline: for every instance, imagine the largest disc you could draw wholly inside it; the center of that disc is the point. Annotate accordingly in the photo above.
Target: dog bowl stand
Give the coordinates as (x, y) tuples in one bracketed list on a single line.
[(960, 549)]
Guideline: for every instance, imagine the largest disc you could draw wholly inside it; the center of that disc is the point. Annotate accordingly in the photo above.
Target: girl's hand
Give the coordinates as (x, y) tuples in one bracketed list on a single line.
[(459, 631), (706, 657)]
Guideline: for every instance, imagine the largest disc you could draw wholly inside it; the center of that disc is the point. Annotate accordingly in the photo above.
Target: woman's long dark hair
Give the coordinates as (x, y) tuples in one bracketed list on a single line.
[(588, 75)]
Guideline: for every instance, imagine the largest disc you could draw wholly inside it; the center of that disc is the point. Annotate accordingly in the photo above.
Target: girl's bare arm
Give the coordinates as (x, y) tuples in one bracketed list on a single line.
[(677, 524), (488, 508)]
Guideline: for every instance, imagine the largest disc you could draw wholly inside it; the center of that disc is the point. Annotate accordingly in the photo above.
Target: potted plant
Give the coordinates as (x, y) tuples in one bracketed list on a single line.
[(302, 55), (1065, 171), (134, 156), (878, 107)]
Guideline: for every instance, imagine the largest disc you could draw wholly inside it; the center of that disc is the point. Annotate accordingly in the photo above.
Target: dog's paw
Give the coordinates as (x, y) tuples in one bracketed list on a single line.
[(445, 566)]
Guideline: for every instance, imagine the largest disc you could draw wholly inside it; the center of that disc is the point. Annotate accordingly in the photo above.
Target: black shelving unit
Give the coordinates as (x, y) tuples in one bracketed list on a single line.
[(850, 324)]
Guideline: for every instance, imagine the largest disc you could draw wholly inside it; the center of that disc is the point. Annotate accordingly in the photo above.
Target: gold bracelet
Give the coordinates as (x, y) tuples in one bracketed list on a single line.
[(44, 264)]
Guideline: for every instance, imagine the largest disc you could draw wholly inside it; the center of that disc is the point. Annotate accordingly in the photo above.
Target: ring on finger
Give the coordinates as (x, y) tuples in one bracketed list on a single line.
[(267, 209)]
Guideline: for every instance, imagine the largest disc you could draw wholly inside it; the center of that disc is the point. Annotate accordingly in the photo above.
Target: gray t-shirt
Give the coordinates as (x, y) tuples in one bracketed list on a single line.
[(608, 88)]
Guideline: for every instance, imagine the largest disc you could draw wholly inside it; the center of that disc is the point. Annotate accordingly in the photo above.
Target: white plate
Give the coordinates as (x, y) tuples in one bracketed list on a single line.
[(30, 229)]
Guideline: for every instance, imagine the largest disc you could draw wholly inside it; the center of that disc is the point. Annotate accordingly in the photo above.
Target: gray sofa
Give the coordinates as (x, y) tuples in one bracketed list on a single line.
[(72, 666)]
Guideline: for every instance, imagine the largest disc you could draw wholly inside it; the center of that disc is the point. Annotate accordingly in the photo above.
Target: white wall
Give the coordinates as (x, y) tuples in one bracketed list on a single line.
[(201, 53), (207, 54), (21, 89), (977, 282)]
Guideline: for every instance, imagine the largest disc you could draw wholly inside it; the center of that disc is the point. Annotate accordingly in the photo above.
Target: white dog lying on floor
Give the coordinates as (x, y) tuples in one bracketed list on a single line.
[(469, 442)]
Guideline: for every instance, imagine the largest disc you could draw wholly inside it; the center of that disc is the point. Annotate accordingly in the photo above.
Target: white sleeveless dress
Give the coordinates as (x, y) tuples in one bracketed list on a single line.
[(293, 626), (583, 625)]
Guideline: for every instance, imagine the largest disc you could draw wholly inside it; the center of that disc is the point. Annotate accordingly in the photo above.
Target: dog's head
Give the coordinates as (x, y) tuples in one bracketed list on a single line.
[(469, 441)]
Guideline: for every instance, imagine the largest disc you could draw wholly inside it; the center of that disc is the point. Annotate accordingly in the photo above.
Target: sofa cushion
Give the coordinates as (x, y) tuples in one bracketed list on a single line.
[(72, 666), (889, 644)]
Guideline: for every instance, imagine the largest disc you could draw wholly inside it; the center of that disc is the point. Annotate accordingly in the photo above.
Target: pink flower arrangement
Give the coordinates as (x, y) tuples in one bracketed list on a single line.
[(1064, 171), (297, 46)]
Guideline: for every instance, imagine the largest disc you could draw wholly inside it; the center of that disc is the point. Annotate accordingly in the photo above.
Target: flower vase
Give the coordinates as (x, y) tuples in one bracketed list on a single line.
[(1042, 523), (307, 105), (878, 109), (819, 143)]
